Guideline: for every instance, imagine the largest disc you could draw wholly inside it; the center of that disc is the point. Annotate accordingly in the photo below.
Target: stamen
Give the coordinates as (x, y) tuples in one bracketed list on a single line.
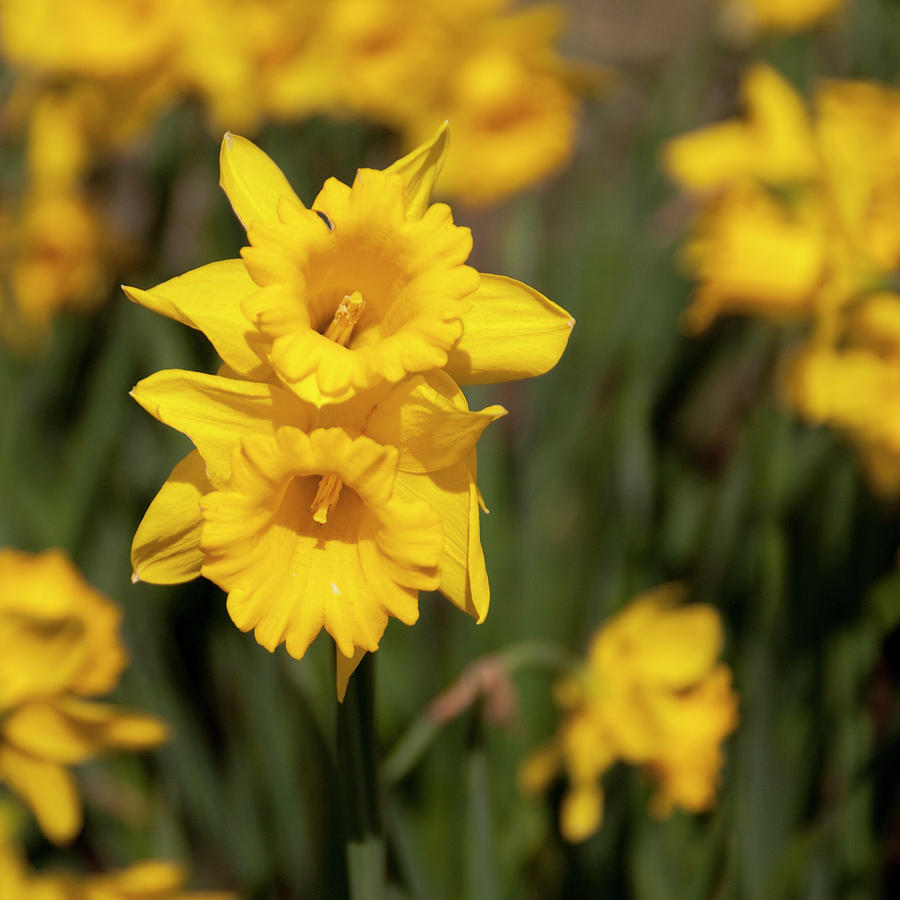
[(326, 497), (345, 317)]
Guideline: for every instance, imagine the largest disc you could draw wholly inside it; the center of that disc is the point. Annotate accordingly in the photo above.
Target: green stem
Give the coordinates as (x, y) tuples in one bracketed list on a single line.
[(357, 752), (406, 753)]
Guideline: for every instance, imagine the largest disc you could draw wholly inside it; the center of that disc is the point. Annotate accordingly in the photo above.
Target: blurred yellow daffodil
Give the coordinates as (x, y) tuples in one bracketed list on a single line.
[(59, 646), (743, 20), (799, 218), (651, 694), (150, 880)]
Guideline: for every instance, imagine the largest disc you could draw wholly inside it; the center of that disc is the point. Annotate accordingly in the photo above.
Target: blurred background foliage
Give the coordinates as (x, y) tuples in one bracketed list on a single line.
[(644, 456)]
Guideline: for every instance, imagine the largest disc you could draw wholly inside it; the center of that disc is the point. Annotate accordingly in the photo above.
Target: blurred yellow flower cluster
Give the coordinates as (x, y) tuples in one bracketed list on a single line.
[(334, 470), (650, 694), (93, 74), (59, 646), (800, 220), (152, 880), (743, 20)]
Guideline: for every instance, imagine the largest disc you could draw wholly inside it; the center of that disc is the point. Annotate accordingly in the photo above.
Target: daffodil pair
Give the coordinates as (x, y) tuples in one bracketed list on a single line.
[(334, 470)]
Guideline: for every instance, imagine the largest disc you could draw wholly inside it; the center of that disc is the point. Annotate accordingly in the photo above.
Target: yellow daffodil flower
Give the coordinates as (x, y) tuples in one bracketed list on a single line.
[(772, 142), (151, 880), (511, 101), (315, 518), (59, 646), (798, 219), (330, 483), (743, 20), (853, 390), (378, 243), (651, 694)]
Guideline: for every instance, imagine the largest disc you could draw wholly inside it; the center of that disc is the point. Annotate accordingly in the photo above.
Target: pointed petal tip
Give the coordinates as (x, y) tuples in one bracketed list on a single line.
[(135, 578)]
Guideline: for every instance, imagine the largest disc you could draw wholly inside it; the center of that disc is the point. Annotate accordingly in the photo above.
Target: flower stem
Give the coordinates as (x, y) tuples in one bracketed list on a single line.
[(357, 752)]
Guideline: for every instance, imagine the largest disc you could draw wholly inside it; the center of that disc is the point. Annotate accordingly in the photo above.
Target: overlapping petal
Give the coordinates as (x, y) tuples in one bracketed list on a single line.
[(213, 411), (166, 546), (209, 299)]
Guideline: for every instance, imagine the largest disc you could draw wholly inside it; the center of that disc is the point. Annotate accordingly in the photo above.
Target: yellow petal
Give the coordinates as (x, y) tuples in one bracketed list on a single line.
[(151, 880), (774, 143), (511, 331), (419, 170), (537, 772), (703, 160), (252, 181), (44, 603), (209, 299), (581, 812), (215, 412), (680, 646), (429, 430), (27, 642), (48, 789), (345, 666), (452, 494), (166, 547), (70, 731)]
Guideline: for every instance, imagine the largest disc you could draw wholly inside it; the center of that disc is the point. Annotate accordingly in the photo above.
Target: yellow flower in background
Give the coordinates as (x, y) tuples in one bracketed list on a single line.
[(797, 209), (58, 262), (651, 694), (334, 475), (511, 102), (731, 237), (799, 219), (56, 253), (853, 390), (742, 20), (772, 142), (59, 646), (100, 38), (151, 880)]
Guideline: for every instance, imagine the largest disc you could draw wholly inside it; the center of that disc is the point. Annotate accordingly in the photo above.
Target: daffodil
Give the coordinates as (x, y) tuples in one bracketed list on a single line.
[(798, 219), (853, 390), (154, 879), (150, 880), (334, 475), (772, 142), (743, 20), (511, 99), (378, 245), (651, 694), (315, 518), (59, 647)]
